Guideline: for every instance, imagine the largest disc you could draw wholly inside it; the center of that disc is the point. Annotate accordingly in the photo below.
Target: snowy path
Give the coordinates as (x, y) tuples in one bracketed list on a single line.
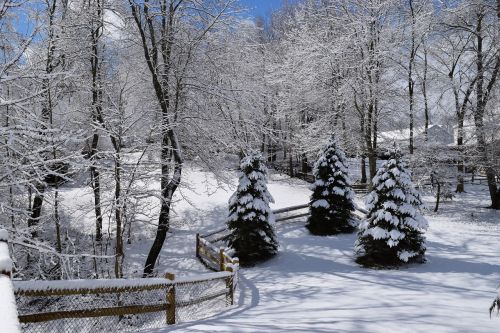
[(313, 285)]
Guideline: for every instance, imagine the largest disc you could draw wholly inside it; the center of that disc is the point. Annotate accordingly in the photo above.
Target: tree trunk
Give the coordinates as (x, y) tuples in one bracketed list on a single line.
[(410, 89), (372, 163), (36, 210), (304, 167), (57, 220), (11, 202), (460, 142), (119, 254), (8, 154), (46, 116), (424, 93), (168, 188), (271, 151), (96, 103), (344, 128), (493, 188), (96, 188), (438, 195), (370, 149), (411, 82), (363, 170), (263, 144), (482, 96)]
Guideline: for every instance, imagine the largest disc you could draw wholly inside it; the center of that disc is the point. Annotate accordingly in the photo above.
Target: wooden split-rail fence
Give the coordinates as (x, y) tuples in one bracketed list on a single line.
[(140, 298), (359, 188), (116, 305), (211, 247), (118, 289)]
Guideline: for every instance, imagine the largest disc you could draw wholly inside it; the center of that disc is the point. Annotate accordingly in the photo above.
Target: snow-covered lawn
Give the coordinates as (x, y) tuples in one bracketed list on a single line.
[(313, 285), (203, 207)]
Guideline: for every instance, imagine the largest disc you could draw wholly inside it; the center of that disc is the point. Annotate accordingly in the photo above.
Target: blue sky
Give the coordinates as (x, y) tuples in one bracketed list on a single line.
[(261, 7)]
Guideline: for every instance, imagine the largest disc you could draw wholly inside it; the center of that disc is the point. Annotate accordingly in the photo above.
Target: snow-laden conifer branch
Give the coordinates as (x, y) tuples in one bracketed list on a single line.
[(392, 233)]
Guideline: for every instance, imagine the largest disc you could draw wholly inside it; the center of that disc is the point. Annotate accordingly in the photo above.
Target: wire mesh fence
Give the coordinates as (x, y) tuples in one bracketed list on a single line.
[(127, 311), (198, 300), (129, 306)]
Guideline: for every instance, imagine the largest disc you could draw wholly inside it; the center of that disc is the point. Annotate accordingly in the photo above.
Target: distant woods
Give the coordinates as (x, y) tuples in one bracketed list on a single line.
[(115, 97)]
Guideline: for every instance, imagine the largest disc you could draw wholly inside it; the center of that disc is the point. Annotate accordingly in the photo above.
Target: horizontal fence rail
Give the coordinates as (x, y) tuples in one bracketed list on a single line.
[(284, 167), (360, 188), (281, 214)]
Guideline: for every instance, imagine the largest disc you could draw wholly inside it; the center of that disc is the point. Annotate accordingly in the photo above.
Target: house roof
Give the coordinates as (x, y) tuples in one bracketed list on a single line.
[(404, 134)]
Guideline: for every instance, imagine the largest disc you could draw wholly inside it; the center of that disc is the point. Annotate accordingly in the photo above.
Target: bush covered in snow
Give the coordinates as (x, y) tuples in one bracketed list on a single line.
[(392, 234), (331, 204), (250, 218)]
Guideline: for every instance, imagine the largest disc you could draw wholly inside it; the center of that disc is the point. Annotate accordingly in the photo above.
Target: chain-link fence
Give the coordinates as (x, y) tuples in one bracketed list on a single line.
[(120, 305), (199, 299)]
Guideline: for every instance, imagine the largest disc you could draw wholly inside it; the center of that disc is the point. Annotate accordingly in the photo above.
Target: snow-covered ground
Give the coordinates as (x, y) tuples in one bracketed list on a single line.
[(313, 285), (202, 207)]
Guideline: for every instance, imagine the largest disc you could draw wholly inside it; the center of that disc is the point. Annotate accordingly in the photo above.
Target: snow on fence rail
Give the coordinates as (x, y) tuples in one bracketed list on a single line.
[(8, 311), (213, 257)]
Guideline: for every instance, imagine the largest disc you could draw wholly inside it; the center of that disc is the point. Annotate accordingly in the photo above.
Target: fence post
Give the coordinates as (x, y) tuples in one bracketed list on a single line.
[(171, 299), (230, 286), (4, 242), (197, 245), (221, 260)]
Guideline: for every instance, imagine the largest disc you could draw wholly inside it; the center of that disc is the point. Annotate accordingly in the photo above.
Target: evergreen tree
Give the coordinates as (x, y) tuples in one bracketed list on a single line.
[(331, 202), (251, 233), (392, 234)]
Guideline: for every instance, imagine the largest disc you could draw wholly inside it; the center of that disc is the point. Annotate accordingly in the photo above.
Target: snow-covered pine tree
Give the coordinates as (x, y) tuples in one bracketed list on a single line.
[(250, 218), (331, 202), (392, 234)]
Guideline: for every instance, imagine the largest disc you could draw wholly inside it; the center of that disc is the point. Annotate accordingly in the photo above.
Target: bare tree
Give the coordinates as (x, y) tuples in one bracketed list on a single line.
[(159, 24)]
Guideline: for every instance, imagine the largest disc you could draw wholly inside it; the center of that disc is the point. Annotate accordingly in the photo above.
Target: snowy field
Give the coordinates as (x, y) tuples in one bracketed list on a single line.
[(313, 285)]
